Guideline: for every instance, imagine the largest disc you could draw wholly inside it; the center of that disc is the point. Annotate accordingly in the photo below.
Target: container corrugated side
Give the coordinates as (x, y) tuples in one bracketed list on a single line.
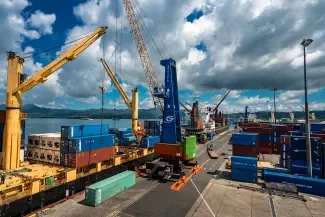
[(304, 184), (300, 167), (68, 132), (245, 139), (244, 175), (245, 163), (245, 150), (276, 170), (107, 188)]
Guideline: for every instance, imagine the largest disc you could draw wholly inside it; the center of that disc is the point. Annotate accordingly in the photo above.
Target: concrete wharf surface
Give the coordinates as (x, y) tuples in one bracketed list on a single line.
[(151, 197), (155, 199)]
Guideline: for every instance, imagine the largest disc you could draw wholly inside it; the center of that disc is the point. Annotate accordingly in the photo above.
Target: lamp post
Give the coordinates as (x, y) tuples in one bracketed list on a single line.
[(267, 110), (305, 43), (274, 105)]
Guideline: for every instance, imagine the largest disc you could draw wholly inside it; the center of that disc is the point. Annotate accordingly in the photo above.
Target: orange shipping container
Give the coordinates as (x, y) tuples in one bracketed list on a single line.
[(168, 149)]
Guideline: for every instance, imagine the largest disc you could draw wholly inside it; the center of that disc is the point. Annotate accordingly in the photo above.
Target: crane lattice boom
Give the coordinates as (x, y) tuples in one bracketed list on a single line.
[(146, 62)]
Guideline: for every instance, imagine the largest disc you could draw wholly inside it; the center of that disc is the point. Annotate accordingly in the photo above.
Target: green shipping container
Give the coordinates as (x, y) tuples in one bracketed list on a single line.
[(49, 180), (107, 188), (190, 147)]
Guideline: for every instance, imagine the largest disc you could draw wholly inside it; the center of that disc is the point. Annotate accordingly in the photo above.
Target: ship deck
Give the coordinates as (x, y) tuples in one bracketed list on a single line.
[(153, 198), (221, 197)]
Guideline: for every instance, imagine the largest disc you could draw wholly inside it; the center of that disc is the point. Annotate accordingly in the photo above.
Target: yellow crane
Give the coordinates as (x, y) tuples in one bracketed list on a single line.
[(132, 105), (16, 87)]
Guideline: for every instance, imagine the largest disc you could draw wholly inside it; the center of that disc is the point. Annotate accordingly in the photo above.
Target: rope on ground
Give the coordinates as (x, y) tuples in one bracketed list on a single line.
[(202, 198)]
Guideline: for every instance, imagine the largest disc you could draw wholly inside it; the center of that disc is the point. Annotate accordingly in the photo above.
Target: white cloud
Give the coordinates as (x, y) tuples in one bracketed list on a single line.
[(42, 21), (147, 103), (89, 100), (195, 56), (252, 100)]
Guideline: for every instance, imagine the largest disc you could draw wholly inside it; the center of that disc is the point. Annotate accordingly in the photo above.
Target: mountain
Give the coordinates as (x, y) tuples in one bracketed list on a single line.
[(34, 111)]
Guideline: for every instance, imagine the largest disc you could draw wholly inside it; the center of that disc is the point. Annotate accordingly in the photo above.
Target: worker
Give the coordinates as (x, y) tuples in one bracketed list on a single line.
[(2, 179)]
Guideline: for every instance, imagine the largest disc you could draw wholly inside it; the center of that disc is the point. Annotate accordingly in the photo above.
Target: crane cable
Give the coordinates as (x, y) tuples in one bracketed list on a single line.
[(154, 30)]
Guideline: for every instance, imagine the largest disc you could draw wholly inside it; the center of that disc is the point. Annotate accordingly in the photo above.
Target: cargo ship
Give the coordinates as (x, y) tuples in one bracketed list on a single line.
[(60, 165)]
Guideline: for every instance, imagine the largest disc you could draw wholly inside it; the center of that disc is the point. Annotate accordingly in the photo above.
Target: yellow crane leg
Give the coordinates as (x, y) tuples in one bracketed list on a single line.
[(135, 110), (12, 129)]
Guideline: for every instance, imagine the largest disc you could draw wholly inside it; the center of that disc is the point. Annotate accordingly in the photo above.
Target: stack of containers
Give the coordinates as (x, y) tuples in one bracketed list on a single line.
[(297, 160), (189, 148), (153, 128), (264, 137), (86, 144), (244, 169), (245, 144), (149, 142), (284, 151), (278, 130)]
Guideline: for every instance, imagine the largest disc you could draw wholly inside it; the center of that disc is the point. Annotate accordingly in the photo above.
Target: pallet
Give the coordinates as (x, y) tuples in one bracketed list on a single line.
[(212, 154)]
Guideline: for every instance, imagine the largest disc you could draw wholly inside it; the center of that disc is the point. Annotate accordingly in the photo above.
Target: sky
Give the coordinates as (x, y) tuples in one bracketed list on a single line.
[(248, 46)]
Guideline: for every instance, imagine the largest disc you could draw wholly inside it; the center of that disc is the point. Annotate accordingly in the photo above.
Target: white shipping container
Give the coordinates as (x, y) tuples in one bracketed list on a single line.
[(36, 154), (42, 157), (29, 153), (51, 141)]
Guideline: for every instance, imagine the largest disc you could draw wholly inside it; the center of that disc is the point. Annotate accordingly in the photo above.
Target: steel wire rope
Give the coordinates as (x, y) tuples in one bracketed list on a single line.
[(152, 45), (146, 29), (165, 48), (153, 37), (58, 45)]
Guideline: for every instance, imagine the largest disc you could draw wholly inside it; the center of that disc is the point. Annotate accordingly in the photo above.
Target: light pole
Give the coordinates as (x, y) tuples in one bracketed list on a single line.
[(305, 43), (267, 110), (274, 105)]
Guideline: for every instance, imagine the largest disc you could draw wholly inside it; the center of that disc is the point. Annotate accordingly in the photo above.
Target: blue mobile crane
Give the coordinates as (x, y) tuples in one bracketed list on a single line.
[(170, 149)]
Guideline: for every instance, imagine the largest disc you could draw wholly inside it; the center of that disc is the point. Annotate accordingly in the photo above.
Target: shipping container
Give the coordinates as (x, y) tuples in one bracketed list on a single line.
[(284, 163), (130, 140), (275, 151), (68, 132), (244, 175), (285, 139), (99, 155), (29, 153), (51, 141), (149, 142), (77, 160), (284, 148), (264, 138), (42, 156), (279, 128), (263, 150), (321, 136), (189, 147), (259, 130), (244, 163), (275, 170), (88, 143), (317, 127), (245, 139), (107, 188), (304, 184), (245, 150), (265, 144), (300, 167), (295, 133)]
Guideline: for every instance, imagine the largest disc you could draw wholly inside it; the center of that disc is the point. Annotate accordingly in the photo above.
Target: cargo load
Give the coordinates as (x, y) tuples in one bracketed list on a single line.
[(101, 191), (149, 142), (245, 139), (69, 132), (87, 143)]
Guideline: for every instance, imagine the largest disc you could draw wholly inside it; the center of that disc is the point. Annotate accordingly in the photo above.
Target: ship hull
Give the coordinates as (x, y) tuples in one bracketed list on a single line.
[(29, 204)]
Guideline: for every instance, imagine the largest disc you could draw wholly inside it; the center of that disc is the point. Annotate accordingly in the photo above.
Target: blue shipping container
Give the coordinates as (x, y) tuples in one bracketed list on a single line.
[(69, 132), (245, 139), (130, 140), (317, 127), (304, 184), (295, 133), (284, 148), (284, 155), (244, 175), (88, 143), (276, 170), (279, 134), (149, 142), (300, 167), (284, 163), (264, 138), (245, 163)]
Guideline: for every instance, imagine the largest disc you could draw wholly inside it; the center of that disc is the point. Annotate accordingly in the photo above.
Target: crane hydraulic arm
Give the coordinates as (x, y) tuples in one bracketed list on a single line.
[(146, 62), (185, 107), (16, 87), (221, 101), (132, 105)]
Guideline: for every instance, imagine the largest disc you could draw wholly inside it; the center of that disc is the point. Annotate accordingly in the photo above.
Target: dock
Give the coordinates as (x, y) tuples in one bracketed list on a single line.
[(221, 196)]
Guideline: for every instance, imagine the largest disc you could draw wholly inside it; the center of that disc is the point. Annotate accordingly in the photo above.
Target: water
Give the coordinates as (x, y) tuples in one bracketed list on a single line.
[(49, 125)]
